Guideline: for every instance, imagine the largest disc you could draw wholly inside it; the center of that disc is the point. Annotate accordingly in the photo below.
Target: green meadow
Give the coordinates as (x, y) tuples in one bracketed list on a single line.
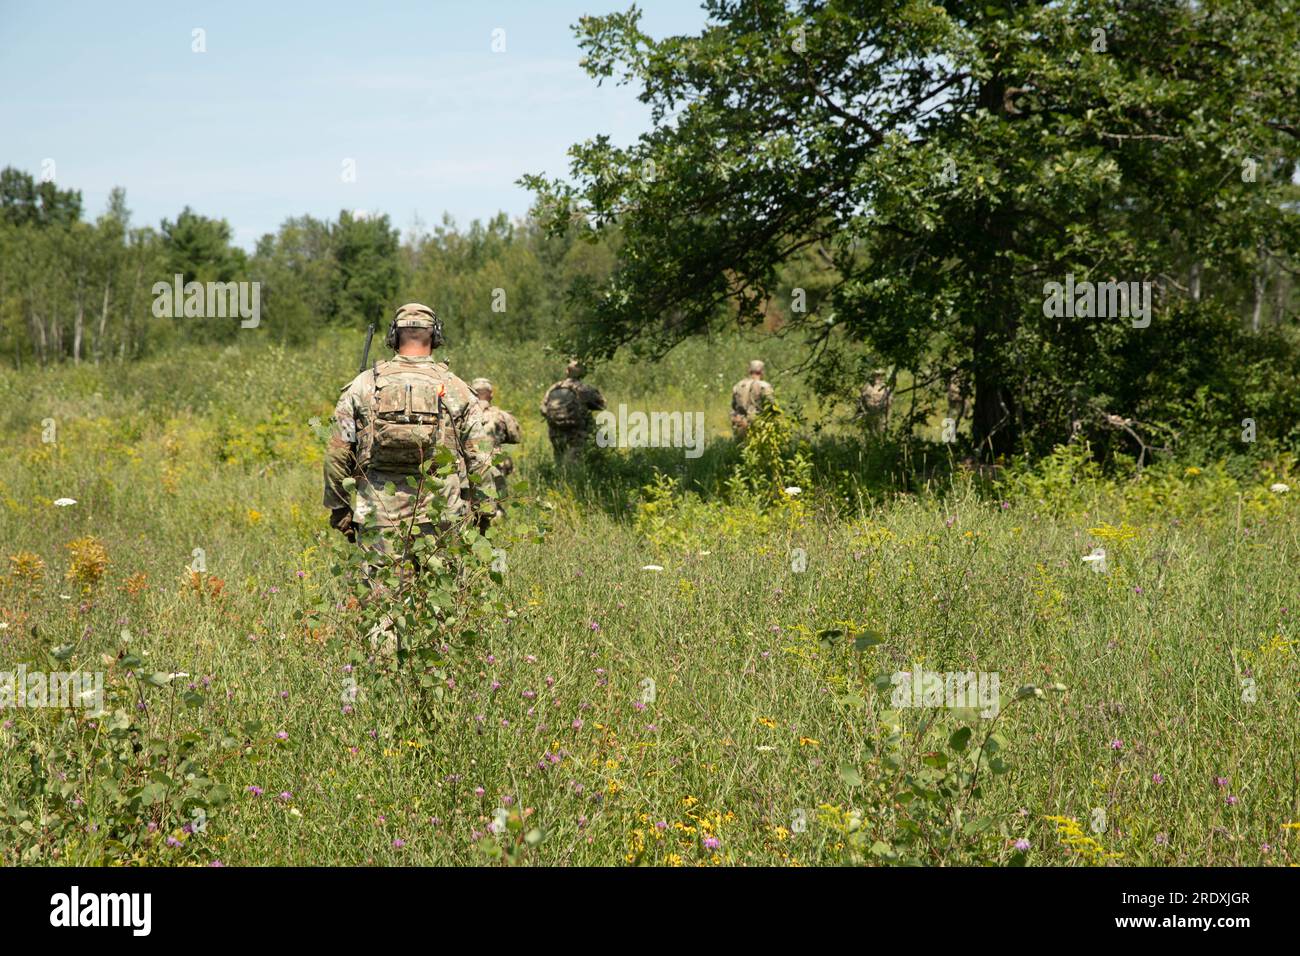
[(687, 675)]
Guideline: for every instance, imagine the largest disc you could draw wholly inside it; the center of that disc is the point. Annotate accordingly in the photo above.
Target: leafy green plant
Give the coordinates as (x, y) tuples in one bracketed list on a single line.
[(424, 599), (115, 784), (925, 794), (768, 461)]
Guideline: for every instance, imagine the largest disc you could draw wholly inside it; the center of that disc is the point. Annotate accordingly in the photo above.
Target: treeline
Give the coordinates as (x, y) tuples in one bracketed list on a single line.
[(76, 291)]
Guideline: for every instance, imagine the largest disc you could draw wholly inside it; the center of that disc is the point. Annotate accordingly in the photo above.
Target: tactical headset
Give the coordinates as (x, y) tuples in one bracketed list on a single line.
[(413, 315)]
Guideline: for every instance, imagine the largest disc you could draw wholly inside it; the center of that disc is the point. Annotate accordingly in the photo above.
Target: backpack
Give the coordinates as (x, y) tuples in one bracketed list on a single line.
[(563, 408), (405, 418), (506, 428)]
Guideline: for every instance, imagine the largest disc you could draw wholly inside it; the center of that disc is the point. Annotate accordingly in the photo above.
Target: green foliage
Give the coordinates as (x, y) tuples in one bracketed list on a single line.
[(24, 202), (659, 515), (978, 153), (924, 805), (366, 271), (122, 782), (425, 598), (769, 464), (199, 249), (1181, 660), (1070, 482)]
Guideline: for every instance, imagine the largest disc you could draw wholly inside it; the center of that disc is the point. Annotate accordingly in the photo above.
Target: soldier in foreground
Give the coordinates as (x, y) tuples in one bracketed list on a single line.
[(875, 401), (748, 397), (502, 429), (567, 407), (391, 418)]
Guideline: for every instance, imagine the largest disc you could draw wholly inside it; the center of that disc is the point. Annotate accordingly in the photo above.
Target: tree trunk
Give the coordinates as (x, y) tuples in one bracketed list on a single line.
[(78, 329), (1281, 285), (103, 322), (1261, 286), (993, 419), (38, 336)]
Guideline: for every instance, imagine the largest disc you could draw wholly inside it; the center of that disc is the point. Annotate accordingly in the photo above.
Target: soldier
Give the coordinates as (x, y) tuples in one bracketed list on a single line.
[(956, 395), (749, 396), (501, 427), (875, 401), (391, 418), (567, 407)]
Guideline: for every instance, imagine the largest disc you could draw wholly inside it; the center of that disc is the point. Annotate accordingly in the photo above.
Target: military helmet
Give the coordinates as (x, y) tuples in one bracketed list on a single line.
[(479, 385), (756, 365), (414, 315)]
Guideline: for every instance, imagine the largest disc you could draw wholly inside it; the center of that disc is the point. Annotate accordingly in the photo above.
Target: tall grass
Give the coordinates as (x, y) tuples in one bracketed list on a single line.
[(716, 711)]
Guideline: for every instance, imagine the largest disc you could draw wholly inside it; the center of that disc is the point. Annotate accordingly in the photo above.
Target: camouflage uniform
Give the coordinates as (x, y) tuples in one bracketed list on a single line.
[(424, 383), (956, 395), (875, 401), (501, 427), (388, 420), (749, 396), (569, 438)]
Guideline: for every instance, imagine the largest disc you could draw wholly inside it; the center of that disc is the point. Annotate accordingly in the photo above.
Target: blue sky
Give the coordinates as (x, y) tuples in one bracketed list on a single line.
[(257, 128)]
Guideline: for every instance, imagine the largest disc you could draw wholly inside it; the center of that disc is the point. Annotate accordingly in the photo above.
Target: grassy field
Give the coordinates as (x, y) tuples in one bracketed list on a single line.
[(729, 709)]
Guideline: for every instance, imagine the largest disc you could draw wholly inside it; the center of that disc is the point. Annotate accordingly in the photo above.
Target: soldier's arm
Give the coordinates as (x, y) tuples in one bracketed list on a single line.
[(340, 454), (591, 395), (542, 407), (476, 446), (511, 426)]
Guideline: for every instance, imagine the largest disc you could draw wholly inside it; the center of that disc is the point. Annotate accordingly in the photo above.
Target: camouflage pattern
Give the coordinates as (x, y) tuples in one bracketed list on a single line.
[(569, 442), (502, 428), (875, 402), (414, 315), (749, 396), (956, 395), (373, 443)]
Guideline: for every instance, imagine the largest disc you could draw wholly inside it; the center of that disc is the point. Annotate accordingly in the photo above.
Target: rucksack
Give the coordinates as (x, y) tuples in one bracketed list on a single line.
[(563, 408), (405, 418)]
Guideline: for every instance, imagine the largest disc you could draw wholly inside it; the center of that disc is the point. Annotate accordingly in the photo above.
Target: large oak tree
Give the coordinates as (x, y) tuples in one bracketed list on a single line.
[(945, 160)]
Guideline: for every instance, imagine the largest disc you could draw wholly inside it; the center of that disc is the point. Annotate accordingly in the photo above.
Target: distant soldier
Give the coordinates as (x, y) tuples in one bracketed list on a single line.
[(749, 396), (956, 395), (875, 401), (391, 418), (567, 407), (501, 427)]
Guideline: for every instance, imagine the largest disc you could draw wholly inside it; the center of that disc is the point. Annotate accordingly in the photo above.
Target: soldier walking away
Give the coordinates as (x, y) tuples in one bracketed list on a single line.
[(501, 427), (875, 401), (567, 407), (749, 396), (956, 392), (389, 420)]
